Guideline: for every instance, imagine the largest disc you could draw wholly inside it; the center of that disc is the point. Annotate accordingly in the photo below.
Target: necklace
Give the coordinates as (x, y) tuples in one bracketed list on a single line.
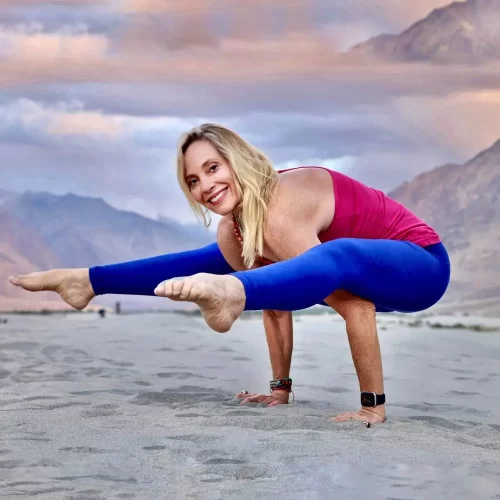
[(239, 237), (237, 230)]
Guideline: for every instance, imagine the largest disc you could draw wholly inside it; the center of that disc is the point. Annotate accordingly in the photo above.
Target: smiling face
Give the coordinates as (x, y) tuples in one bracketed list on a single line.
[(209, 178)]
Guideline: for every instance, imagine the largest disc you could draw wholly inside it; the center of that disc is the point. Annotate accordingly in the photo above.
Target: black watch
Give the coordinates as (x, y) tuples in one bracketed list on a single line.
[(370, 399)]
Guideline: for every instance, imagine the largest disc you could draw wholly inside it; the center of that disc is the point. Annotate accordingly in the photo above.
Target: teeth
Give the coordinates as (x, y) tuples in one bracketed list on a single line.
[(218, 197)]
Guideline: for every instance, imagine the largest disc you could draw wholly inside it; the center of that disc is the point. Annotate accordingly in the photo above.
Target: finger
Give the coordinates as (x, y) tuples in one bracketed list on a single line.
[(344, 417), (256, 398), (245, 395)]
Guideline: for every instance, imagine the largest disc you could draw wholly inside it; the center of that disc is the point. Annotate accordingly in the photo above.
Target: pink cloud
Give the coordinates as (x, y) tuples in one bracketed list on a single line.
[(27, 3)]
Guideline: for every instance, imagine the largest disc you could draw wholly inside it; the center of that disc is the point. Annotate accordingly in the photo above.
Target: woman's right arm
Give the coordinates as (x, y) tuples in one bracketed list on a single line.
[(278, 325)]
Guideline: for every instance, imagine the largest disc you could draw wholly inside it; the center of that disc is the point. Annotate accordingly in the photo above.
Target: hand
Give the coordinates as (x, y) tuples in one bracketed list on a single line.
[(274, 399), (371, 415)]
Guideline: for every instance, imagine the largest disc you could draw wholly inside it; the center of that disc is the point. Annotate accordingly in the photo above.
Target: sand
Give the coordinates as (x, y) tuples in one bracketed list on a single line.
[(142, 407)]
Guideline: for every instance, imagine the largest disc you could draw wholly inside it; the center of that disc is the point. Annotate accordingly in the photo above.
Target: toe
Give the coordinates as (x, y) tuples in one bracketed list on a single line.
[(160, 290), (15, 280)]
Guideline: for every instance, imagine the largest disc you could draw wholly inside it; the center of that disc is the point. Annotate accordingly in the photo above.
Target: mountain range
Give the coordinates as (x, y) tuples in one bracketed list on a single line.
[(43, 231), (462, 32), (462, 202)]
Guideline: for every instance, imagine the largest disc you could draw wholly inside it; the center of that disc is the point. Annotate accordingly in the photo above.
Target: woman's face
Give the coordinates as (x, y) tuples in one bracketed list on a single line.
[(210, 178)]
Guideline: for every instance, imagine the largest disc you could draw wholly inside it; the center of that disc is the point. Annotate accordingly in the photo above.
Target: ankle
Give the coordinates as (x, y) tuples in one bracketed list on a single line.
[(86, 281), (81, 277)]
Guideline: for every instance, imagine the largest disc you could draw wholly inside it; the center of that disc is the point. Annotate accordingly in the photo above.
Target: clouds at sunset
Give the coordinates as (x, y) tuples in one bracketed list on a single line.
[(105, 89)]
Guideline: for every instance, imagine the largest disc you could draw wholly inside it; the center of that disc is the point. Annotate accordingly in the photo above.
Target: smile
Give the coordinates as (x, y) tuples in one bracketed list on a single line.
[(215, 200)]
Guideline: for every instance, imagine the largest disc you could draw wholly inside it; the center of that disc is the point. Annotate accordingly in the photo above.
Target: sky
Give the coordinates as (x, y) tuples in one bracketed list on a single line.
[(94, 95)]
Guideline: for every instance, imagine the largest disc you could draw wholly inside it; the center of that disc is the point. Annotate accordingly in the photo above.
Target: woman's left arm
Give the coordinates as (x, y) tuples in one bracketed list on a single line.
[(294, 230)]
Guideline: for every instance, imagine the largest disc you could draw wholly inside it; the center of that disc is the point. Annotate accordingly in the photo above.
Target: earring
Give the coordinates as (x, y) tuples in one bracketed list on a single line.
[(207, 213)]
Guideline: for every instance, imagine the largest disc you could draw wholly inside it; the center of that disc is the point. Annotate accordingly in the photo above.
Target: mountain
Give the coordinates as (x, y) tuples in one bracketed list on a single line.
[(462, 202), (22, 249), (462, 32), (6, 195), (42, 231)]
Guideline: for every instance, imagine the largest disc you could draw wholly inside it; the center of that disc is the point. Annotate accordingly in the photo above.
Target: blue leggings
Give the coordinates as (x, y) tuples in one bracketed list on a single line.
[(141, 277), (395, 275)]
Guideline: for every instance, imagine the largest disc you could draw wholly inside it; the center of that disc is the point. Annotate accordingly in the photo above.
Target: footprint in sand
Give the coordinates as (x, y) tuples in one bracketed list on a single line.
[(105, 410)]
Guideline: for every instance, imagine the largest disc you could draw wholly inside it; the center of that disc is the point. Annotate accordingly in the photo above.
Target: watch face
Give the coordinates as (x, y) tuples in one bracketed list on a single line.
[(368, 399)]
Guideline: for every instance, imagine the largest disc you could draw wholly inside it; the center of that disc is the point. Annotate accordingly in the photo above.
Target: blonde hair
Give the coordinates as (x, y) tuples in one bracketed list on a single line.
[(255, 180)]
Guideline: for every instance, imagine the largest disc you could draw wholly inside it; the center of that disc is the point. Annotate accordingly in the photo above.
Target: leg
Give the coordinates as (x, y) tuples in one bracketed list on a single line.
[(395, 275), (140, 277), (77, 287)]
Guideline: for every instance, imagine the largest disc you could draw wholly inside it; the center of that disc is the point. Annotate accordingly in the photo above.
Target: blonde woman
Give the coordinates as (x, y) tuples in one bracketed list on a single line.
[(287, 240)]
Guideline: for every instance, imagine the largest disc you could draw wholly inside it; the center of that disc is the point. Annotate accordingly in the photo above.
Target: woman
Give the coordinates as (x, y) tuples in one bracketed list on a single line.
[(295, 238)]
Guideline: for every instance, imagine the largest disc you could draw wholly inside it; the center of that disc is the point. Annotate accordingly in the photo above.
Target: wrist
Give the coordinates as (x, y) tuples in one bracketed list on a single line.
[(282, 384), (372, 399), (281, 394)]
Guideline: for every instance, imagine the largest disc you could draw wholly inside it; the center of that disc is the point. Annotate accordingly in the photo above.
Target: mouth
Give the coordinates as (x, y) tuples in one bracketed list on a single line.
[(217, 198)]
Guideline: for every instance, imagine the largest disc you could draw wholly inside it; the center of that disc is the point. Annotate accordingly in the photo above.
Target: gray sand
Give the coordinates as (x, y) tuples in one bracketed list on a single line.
[(141, 407)]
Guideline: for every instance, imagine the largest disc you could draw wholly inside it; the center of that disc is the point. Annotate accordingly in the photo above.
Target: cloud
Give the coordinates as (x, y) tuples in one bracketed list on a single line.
[(96, 107), (460, 124), (70, 3), (41, 58), (64, 118), (28, 44)]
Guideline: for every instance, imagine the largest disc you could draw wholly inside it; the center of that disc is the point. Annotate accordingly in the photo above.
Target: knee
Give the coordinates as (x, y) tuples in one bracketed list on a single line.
[(350, 307), (359, 309), (274, 314)]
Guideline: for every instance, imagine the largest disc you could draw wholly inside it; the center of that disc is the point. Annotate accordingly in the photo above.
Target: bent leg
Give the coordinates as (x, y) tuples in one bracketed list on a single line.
[(394, 275), (140, 277)]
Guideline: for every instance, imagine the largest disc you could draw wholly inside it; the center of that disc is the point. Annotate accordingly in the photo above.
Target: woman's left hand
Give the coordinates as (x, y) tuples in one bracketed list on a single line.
[(370, 415)]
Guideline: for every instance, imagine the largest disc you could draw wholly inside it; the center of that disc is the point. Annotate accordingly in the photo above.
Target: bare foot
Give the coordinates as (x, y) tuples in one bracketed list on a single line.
[(73, 285), (220, 298)]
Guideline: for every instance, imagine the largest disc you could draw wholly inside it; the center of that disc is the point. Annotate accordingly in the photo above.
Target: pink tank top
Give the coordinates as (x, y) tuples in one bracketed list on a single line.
[(365, 212)]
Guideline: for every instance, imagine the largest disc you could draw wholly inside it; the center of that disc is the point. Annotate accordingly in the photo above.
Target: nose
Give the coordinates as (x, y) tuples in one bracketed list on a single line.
[(207, 185)]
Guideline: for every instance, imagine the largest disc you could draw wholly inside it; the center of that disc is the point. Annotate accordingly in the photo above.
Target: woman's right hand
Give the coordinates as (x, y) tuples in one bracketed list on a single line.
[(73, 285), (274, 399)]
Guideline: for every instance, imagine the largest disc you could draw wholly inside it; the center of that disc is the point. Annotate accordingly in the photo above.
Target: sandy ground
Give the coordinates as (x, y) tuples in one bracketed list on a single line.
[(141, 407)]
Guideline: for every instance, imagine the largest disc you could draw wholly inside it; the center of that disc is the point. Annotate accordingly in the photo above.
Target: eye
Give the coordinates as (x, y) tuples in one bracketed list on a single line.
[(214, 167), (191, 183)]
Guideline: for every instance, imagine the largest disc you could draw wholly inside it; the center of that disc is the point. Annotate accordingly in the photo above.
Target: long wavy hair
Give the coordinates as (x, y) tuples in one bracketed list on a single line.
[(255, 180)]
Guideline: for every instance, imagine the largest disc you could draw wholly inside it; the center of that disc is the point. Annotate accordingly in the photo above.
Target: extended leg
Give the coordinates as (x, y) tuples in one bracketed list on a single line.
[(140, 277), (77, 287)]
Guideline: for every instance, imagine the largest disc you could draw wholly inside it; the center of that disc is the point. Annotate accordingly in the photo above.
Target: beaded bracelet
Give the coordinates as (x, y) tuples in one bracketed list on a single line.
[(281, 384)]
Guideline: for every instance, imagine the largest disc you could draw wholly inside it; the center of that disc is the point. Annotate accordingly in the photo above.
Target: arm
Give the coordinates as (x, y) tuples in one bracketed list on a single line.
[(278, 325), (286, 239), (279, 334)]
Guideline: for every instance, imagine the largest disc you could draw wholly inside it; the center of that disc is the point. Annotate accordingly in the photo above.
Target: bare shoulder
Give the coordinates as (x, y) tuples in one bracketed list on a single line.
[(305, 196)]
